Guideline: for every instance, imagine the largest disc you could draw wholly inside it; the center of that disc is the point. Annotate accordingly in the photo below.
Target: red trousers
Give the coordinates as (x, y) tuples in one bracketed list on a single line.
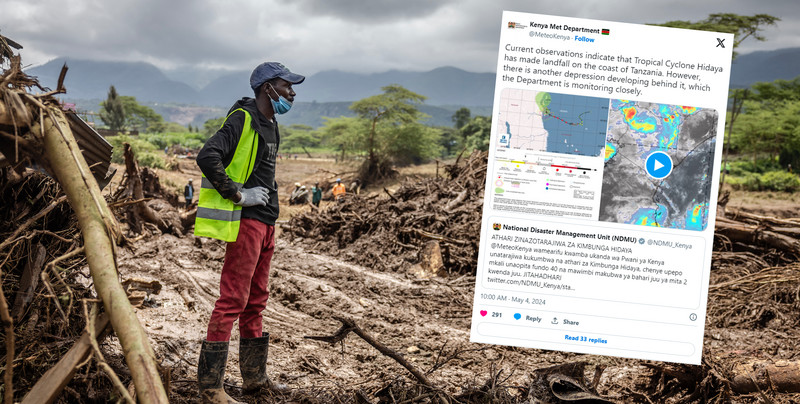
[(243, 287)]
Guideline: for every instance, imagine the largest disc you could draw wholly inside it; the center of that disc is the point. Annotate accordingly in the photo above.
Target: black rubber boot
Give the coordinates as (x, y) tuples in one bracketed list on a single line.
[(211, 371), (253, 365)]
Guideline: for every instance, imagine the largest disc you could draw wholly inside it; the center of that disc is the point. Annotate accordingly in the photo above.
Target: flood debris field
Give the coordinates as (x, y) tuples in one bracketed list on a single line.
[(392, 269)]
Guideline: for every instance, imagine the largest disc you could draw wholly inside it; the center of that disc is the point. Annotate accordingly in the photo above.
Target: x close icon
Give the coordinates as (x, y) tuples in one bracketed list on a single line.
[(720, 42)]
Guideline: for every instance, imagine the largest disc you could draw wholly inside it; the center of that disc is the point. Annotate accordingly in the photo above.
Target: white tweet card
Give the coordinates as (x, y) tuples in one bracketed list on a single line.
[(601, 187)]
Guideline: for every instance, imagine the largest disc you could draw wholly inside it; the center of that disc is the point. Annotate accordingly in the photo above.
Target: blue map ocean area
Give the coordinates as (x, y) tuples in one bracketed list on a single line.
[(505, 138), (576, 124)]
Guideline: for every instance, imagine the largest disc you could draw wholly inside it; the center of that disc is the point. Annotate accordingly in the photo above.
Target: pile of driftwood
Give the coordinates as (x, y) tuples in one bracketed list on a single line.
[(755, 280), (435, 222), (145, 206), (42, 260), (34, 132), (40, 252), (754, 285), (738, 230)]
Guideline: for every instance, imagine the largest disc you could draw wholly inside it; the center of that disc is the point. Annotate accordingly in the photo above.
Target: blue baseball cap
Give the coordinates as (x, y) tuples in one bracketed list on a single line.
[(271, 70)]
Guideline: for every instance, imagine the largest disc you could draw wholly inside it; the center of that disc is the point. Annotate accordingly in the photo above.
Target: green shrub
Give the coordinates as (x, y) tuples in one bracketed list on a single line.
[(150, 159), (762, 165), (193, 143), (779, 181), (139, 146), (190, 140), (746, 182)]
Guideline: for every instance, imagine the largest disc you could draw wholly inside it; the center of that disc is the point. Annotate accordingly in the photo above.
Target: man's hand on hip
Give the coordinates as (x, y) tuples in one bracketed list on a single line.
[(258, 196)]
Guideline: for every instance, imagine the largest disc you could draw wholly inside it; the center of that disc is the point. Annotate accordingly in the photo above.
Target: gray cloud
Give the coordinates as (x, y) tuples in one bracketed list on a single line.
[(373, 11), (315, 35)]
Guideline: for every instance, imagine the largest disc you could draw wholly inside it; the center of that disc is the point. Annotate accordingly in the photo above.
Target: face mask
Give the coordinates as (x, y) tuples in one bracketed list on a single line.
[(281, 106)]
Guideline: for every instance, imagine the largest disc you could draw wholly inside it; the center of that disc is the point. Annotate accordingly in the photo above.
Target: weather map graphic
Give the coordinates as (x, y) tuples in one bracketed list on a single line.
[(658, 165), (551, 122)]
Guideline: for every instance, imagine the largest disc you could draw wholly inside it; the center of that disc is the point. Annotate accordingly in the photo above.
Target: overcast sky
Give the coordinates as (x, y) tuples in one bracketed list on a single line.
[(314, 35)]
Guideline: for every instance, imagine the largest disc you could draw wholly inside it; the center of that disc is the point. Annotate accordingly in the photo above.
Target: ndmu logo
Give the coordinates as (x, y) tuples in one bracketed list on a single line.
[(497, 226)]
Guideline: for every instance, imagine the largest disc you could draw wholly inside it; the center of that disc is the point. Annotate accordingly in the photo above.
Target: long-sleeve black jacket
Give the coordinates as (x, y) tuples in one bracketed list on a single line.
[(218, 152)]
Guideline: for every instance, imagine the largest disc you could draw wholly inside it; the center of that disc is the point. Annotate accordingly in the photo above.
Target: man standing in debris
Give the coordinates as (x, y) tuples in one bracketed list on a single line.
[(239, 204), (188, 194)]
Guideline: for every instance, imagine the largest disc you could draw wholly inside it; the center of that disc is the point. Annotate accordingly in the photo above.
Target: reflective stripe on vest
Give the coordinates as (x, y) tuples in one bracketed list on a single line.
[(218, 217)]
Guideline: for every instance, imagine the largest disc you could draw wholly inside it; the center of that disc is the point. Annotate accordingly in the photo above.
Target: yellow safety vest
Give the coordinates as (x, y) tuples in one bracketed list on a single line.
[(218, 217)]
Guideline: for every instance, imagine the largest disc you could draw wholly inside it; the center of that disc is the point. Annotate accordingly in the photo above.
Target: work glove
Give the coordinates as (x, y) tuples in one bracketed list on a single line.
[(258, 196)]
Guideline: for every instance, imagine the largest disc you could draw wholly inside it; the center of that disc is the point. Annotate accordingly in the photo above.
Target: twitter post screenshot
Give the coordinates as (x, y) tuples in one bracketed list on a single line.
[(601, 187)]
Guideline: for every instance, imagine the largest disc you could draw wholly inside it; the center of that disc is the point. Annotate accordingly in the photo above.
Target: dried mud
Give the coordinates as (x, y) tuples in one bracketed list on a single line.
[(368, 274), (753, 315)]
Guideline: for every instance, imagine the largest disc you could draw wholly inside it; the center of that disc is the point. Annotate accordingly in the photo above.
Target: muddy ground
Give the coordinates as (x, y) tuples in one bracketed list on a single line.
[(426, 320)]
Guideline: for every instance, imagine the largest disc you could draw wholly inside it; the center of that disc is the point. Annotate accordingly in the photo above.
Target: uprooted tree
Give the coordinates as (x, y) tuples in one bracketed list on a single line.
[(394, 133), (33, 127)]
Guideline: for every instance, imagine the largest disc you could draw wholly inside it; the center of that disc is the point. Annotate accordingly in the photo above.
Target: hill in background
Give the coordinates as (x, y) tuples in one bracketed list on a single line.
[(772, 65), (91, 79), (327, 93)]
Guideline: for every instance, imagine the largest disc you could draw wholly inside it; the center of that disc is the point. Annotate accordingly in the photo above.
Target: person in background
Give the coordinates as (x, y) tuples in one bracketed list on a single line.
[(355, 186), (338, 189), (188, 194), (302, 196), (316, 194), (293, 195)]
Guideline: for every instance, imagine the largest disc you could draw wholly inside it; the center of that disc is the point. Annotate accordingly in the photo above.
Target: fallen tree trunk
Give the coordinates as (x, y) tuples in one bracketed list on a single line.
[(141, 186), (755, 234), (98, 226), (138, 211), (782, 376)]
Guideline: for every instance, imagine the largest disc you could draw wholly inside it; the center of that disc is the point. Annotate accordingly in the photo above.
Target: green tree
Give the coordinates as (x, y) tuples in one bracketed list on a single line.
[(772, 128), (386, 114), (211, 126), (476, 133), (771, 121), (461, 117), (112, 111), (345, 134), (777, 90), (448, 140), (301, 136), (140, 117), (412, 143)]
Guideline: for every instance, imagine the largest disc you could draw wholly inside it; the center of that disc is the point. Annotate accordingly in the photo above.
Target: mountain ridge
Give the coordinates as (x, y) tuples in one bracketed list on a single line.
[(445, 85), (91, 79)]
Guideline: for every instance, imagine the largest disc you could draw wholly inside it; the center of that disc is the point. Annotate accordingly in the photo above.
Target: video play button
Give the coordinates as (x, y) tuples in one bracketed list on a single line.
[(658, 165)]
